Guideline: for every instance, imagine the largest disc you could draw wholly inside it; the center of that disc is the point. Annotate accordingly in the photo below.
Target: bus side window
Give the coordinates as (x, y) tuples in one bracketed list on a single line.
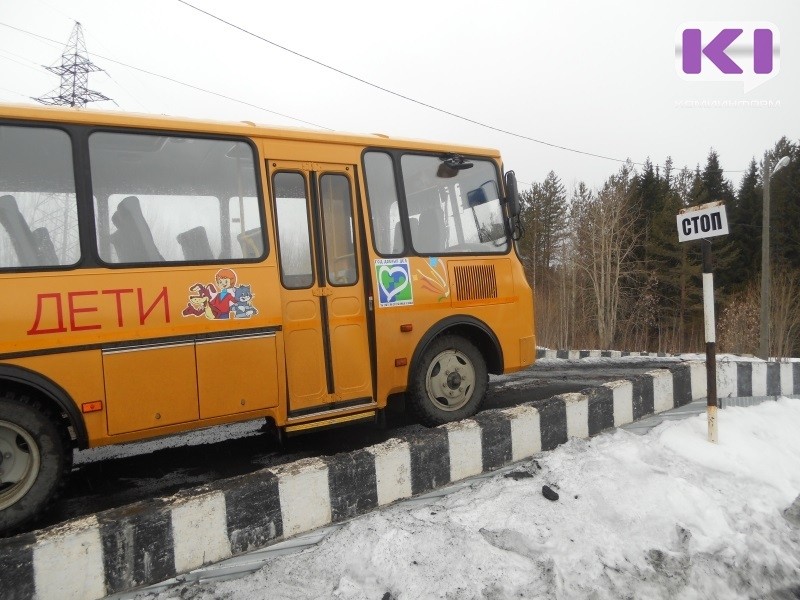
[(174, 199), (38, 207), (387, 233)]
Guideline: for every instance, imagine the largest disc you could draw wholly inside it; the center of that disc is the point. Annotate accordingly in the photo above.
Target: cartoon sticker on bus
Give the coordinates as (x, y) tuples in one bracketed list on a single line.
[(226, 300)]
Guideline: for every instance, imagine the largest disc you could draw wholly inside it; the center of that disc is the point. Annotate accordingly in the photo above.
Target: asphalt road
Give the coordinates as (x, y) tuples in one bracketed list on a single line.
[(107, 478)]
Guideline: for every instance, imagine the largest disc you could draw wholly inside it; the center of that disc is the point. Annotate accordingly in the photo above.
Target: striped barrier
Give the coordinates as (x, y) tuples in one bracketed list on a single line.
[(148, 542)]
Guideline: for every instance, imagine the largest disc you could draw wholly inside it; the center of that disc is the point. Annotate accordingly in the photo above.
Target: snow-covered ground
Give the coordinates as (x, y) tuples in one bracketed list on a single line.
[(661, 515)]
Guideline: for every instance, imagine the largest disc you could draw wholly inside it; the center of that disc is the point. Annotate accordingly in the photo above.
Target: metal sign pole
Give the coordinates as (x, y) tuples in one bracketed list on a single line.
[(711, 340), (700, 223)]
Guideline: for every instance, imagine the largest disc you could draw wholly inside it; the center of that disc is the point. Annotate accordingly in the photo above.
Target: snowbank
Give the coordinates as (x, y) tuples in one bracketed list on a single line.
[(665, 515)]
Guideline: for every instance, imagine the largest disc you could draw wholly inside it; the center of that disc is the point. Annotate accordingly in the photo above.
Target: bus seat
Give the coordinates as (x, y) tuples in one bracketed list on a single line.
[(133, 239), (21, 237), (44, 247), (430, 230), (251, 243), (194, 244)]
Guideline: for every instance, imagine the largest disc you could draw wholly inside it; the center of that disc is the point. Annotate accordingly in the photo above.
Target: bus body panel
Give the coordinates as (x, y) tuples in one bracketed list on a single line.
[(114, 334)]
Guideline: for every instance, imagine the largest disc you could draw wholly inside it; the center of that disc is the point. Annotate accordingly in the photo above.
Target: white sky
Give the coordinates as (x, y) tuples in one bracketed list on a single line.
[(599, 77), (664, 515)]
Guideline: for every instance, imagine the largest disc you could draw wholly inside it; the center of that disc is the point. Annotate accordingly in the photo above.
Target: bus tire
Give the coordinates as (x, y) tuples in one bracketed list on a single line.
[(36, 457), (448, 382)]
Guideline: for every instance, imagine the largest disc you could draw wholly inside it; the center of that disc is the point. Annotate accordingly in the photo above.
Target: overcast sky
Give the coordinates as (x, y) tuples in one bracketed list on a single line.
[(598, 77)]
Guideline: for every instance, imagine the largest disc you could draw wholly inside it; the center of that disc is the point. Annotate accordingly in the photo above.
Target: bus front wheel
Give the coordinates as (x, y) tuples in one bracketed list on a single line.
[(34, 459), (448, 381)]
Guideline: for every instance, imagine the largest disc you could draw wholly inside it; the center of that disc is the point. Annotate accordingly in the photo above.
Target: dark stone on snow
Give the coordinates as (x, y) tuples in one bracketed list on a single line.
[(517, 475), (549, 493)]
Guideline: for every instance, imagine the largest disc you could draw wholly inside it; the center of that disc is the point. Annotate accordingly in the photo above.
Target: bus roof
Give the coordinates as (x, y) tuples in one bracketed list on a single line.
[(82, 116)]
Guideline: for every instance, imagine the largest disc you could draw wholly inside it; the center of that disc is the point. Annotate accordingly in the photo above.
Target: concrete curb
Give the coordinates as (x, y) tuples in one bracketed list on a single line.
[(579, 354), (149, 542)]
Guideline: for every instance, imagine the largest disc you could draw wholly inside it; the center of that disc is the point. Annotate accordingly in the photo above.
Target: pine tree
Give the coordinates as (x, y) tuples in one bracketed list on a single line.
[(744, 222), (785, 206), (544, 214)]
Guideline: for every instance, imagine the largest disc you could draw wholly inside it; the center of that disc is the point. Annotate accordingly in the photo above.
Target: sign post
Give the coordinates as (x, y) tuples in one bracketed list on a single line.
[(700, 223)]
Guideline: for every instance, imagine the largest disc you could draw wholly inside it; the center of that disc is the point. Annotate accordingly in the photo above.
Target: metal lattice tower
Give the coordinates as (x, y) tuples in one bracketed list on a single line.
[(74, 72), (55, 211)]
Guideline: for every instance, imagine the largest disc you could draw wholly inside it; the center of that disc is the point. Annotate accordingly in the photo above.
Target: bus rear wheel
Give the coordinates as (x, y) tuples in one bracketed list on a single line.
[(34, 459), (448, 382)]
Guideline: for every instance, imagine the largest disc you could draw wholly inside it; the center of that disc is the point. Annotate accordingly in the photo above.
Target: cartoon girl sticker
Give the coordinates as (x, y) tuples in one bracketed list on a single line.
[(221, 304), (225, 300)]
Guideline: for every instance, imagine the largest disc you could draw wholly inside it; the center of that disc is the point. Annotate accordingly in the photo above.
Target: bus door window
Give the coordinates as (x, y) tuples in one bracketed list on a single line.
[(337, 216), (294, 238)]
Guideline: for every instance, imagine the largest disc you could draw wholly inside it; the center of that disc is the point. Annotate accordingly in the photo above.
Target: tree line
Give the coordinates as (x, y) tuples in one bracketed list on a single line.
[(608, 270)]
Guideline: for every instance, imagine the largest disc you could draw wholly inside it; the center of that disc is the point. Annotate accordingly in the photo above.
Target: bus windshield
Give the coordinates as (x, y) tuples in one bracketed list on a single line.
[(453, 211)]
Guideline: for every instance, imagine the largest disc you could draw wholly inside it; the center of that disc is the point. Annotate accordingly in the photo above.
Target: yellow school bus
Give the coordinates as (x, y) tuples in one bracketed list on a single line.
[(160, 275)]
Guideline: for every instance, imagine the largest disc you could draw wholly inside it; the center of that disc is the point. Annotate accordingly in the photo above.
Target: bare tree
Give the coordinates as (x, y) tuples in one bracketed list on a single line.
[(607, 236), (785, 317)]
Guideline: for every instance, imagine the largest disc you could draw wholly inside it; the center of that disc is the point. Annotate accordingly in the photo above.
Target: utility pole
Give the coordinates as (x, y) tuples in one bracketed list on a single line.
[(766, 284), (763, 344), (74, 72)]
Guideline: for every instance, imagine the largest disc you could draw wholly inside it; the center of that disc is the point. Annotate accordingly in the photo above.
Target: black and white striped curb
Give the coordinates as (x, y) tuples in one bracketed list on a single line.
[(578, 354), (152, 541)]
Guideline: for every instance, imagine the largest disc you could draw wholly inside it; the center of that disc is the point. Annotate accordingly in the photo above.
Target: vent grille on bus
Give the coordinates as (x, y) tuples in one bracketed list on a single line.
[(476, 282)]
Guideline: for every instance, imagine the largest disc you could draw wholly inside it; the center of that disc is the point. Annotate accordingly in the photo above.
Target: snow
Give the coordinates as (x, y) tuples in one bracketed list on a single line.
[(197, 437), (661, 515)]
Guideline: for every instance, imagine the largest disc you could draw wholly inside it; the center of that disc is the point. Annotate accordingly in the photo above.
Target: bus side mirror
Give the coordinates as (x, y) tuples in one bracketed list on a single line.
[(512, 194)]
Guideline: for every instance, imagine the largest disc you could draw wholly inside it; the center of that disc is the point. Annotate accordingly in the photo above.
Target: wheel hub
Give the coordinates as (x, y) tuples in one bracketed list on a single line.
[(454, 380), (450, 380), (19, 463)]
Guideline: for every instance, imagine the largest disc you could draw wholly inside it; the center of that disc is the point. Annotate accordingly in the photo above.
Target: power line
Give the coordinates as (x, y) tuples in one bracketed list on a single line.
[(409, 98), (14, 92), (176, 81), (398, 94), (320, 63)]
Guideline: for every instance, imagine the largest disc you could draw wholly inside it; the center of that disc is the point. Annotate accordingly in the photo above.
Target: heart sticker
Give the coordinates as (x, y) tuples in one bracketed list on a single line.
[(394, 282)]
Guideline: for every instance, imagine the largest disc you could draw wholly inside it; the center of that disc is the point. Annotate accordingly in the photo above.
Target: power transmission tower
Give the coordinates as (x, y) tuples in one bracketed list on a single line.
[(74, 72), (55, 210)]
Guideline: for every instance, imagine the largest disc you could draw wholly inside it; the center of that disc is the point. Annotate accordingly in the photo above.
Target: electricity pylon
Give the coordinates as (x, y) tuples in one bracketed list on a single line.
[(74, 72)]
